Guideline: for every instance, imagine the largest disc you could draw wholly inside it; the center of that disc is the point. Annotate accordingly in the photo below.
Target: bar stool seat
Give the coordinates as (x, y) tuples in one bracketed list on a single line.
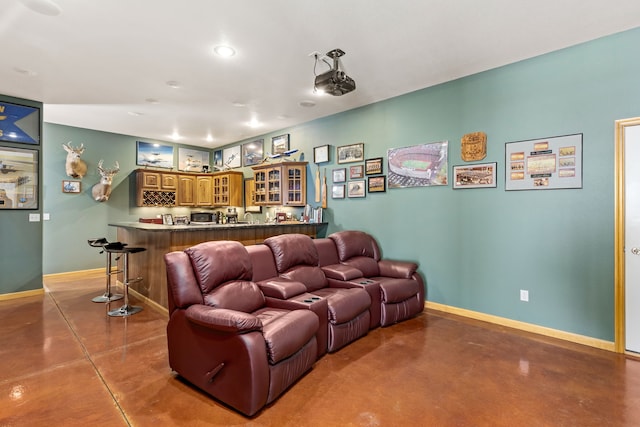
[(122, 248), (107, 296)]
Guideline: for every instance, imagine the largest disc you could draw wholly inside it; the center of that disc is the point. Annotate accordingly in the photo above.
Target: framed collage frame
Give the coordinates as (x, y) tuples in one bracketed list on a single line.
[(544, 164)]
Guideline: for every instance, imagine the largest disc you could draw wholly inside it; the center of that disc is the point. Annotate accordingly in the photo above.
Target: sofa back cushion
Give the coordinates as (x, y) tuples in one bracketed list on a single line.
[(218, 262), (327, 252), (239, 295), (262, 262), (290, 250), (353, 243), (183, 289)]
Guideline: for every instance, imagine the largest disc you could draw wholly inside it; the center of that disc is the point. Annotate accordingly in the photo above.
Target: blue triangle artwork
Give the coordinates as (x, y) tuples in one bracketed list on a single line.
[(19, 123)]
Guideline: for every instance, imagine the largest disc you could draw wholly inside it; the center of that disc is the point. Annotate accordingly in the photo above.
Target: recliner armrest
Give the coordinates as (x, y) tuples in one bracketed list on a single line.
[(341, 272), (397, 269), (281, 287), (223, 320)]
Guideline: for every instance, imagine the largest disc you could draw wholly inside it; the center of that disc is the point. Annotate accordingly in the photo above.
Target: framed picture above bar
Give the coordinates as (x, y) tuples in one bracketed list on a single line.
[(154, 154), (544, 164), (18, 178), (19, 123)]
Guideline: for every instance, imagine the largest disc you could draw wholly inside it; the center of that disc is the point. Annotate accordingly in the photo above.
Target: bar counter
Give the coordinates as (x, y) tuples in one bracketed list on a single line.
[(160, 239)]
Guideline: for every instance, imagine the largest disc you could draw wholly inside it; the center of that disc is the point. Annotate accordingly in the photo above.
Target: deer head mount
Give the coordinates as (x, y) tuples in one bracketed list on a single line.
[(75, 166), (102, 190)]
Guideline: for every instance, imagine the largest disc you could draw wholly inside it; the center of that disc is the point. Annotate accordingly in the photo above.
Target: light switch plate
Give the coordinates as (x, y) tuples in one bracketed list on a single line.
[(34, 217)]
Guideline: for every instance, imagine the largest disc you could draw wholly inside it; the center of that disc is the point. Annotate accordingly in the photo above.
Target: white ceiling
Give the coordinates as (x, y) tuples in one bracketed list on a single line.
[(98, 64)]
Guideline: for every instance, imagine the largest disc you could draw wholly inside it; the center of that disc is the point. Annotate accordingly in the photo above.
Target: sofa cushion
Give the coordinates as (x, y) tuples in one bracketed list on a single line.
[(218, 262), (352, 243), (397, 290), (312, 277), (262, 262), (239, 295), (345, 303), (285, 332), (281, 287), (341, 272), (368, 266), (292, 249)]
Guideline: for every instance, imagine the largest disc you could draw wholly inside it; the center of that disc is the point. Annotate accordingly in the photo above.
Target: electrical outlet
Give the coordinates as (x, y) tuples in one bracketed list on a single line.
[(524, 295)]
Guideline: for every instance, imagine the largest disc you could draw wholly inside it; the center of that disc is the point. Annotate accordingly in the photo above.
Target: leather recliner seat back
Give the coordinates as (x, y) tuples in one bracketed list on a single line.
[(223, 271)]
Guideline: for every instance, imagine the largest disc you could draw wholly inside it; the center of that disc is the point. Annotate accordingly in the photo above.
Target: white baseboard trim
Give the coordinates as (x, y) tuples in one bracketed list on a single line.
[(523, 326)]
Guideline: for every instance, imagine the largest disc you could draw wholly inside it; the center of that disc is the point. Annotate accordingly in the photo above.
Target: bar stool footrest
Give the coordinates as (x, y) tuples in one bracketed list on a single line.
[(125, 310), (108, 297)]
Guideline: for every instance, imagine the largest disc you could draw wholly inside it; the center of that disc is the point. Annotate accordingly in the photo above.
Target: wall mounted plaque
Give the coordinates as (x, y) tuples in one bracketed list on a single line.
[(473, 146)]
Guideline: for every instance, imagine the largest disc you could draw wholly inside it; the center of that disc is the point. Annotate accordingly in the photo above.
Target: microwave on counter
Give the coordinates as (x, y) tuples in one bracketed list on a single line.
[(204, 217)]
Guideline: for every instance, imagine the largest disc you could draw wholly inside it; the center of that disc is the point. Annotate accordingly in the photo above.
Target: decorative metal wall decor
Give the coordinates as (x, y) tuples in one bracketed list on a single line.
[(473, 146)]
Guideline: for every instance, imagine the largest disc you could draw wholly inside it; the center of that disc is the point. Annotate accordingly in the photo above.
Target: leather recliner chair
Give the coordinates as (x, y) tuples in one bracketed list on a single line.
[(222, 335), (401, 287), (296, 259)]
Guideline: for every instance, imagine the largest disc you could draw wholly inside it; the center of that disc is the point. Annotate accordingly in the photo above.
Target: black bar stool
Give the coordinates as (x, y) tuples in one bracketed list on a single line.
[(121, 248), (107, 296)]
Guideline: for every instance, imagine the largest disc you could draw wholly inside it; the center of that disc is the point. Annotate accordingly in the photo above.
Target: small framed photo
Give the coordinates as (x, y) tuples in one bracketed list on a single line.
[(167, 219), (479, 175), (356, 188), (339, 175), (351, 153), (377, 184), (373, 166), (71, 186), (321, 154), (356, 172), (280, 144), (337, 191), (252, 152)]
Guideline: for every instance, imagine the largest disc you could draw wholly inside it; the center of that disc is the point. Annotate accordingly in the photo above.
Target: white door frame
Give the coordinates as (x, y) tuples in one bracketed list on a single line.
[(619, 267)]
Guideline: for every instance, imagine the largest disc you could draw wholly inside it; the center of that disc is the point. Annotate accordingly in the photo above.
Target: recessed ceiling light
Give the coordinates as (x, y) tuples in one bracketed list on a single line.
[(44, 7), (239, 104), (173, 84), (307, 103), (283, 117), (224, 51), (175, 135), (209, 138), (134, 113), (152, 101), (254, 123)]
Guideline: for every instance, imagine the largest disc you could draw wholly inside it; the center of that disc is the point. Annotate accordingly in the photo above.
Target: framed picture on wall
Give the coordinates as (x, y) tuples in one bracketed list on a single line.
[(356, 188), (231, 157), (19, 123), (154, 154), (321, 154), (373, 166), (71, 186), (192, 160), (479, 175), (351, 153), (377, 184), (337, 191), (19, 186), (339, 175), (252, 152), (280, 144)]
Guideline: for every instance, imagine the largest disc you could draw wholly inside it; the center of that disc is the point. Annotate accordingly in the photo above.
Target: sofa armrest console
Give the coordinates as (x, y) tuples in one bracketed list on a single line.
[(398, 269), (281, 287), (341, 272), (223, 320)]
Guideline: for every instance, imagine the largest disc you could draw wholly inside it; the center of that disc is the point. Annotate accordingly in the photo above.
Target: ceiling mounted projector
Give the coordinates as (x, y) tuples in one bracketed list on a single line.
[(334, 82)]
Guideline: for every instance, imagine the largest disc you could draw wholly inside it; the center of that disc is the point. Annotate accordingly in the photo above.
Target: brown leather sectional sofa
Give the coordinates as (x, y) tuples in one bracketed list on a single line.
[(245, 323)]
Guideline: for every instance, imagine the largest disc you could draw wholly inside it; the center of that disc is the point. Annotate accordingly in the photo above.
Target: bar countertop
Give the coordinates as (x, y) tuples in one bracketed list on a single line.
[(159, 239), (143, 226)]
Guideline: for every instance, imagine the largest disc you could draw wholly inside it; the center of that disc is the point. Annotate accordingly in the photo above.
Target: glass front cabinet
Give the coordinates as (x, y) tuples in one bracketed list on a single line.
[(280, 184)]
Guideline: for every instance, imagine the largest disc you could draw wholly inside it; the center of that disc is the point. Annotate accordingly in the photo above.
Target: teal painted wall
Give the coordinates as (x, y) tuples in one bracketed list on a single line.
[(20, 239), (477, 247)]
